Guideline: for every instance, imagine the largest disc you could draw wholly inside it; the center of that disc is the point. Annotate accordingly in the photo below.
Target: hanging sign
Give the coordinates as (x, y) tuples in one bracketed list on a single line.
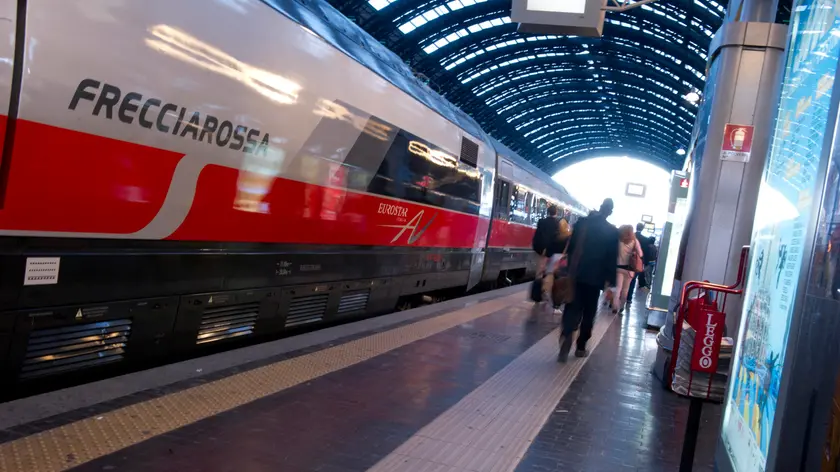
[(737, 143), (709, 333)]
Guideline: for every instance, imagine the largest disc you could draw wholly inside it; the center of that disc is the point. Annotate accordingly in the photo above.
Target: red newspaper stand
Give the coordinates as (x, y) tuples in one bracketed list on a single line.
[(695, 358)]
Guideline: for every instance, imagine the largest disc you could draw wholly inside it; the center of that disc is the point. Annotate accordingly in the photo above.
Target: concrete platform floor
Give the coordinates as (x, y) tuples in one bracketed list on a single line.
[(467, 385)]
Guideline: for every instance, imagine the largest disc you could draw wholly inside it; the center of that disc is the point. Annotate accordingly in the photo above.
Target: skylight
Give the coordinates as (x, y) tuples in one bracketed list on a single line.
[(452, 37), (566, 95), (434, 13)]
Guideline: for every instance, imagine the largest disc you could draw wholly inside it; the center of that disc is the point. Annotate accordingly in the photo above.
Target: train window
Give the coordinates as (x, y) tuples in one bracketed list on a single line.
[(501, 199), (398, 164), (367, 153), (530, 203), (416, 170), (514, 195), (520, 201), (386, 160), (540, 210)]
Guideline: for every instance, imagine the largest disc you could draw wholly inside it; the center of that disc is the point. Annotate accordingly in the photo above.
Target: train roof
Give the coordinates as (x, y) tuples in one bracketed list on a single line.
[(517, 160), (336, 29), (332, 26)]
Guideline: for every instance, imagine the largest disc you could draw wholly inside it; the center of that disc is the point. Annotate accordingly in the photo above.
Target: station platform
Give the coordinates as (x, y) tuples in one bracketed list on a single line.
[(470, 384)]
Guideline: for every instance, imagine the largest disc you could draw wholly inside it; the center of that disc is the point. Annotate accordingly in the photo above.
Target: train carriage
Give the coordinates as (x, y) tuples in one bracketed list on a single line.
[(172, 180), (522, 195)]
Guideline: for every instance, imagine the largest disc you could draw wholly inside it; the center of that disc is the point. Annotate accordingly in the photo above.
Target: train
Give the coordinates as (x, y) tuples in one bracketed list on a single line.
[(181, 176)]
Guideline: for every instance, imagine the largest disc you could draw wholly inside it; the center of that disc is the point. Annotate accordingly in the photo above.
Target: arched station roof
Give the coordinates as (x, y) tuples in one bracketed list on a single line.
[(558, 99)]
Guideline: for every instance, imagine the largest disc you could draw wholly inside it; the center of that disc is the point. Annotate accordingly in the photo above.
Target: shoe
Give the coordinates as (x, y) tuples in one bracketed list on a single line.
[(565, 347), (615, 312), (581, 353)]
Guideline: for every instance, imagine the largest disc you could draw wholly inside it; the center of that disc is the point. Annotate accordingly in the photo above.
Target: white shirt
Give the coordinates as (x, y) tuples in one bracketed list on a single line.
[(625, 251)]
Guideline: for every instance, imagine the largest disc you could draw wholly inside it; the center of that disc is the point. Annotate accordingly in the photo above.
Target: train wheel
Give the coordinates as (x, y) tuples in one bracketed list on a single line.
[(406, 303)]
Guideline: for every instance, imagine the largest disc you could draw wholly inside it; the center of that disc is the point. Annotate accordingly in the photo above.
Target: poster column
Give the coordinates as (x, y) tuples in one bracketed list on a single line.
[(772, 391), (669, 245)]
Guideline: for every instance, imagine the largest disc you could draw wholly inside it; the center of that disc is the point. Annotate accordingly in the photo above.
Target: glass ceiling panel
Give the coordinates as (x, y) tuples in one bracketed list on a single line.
[(554, 96)]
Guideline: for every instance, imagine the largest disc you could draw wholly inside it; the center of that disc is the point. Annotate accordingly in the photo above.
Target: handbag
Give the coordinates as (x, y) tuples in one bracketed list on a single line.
[(563, 290), (536, 290), (636, 263)]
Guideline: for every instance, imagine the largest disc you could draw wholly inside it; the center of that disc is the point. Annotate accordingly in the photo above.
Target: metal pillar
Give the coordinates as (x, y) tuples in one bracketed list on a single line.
[(761, 11), (743, 83)]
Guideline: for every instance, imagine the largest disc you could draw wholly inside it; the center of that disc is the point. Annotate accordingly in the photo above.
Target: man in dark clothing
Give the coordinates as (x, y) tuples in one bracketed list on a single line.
[(593, 251), (547, 231), (647, 245)]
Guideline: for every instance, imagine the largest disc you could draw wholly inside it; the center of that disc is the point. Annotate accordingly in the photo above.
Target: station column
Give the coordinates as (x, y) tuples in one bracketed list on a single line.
[(729, 144)]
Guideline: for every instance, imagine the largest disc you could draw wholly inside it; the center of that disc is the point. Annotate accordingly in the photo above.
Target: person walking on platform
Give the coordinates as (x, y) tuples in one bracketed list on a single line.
[(592, 252), (648, 250), (555, 251), (549, 242), (629, 250), (547, 230)]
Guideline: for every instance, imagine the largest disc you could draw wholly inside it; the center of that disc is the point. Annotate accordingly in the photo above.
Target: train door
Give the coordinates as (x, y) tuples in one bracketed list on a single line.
[(10, 77), (8, 292), (486, 166)]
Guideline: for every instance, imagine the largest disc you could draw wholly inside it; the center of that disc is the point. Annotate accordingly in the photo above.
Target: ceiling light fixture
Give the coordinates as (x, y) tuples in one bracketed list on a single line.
[(692, 97), (681, 152)]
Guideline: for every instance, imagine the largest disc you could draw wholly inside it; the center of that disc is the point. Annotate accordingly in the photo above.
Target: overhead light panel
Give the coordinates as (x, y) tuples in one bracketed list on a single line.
[(692, 97)]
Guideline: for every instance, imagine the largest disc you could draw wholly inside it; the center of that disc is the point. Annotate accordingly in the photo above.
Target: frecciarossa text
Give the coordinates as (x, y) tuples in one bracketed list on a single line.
[(150, 113)]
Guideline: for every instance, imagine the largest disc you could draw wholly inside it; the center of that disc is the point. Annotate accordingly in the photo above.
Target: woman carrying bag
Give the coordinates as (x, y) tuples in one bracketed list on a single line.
[(628, 264), (556, 257), (554, 253)]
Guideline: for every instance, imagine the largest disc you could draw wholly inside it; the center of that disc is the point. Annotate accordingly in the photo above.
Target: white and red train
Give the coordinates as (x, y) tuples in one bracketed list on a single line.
[(179, 174)]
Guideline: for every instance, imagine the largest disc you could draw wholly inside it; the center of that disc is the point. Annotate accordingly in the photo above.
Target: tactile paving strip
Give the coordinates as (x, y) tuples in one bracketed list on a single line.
[(76, 443), (491, 429)]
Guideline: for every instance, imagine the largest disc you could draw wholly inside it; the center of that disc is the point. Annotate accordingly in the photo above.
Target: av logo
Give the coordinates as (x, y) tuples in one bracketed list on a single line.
[(412, 225)]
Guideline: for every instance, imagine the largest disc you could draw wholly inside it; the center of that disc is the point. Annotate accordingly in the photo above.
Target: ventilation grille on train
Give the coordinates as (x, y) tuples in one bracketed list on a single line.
[(59, 350), (353, 301), (469, 152), (226, 322), (307, 309)]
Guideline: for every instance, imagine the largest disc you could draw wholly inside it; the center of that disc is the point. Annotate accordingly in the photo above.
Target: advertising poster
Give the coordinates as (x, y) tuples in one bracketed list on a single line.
[(677, 220), (782, 215)]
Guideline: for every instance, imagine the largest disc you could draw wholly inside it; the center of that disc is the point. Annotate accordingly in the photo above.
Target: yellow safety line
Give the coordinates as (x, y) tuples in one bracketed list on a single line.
[(76, 443)]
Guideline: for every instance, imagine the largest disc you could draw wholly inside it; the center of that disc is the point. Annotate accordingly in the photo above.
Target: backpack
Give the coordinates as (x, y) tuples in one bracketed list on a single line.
[(649, 250), (565, 229), (541, 238)]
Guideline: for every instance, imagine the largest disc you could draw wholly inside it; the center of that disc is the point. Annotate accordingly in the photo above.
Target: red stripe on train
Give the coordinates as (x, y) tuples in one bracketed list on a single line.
[(289, 211), (511, 235), (63, 180), (3, 123), (68, 181)]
